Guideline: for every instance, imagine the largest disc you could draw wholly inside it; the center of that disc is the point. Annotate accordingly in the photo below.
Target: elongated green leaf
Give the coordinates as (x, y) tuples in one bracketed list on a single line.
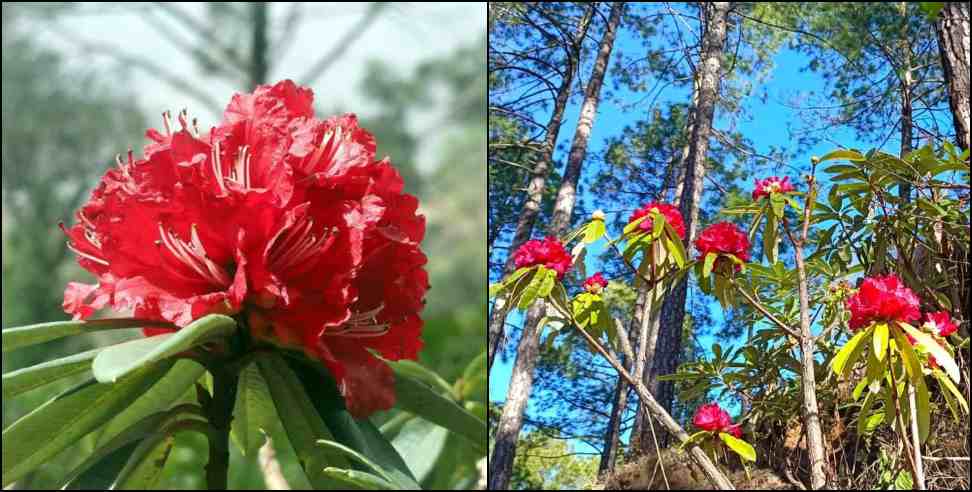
[(947, 383), (358, 480), (419, 399), (864, 414), (421, 443), (674, 246), (594, 231), (548, 284), (49, 429), (161, 396), (634, 225), (119, 360), (100, 474), (98, 471), (28, 378), (922, 406), (474, 379), (532, 289), (849, 353), (931, 346), (25, 336), (880, 340), (254, 413), (507, 282), (740, 447), (144, 467), (370, 466), (850, 155), (359, 435), (770, 235), (422, 373), (301, 422), (710, 259)]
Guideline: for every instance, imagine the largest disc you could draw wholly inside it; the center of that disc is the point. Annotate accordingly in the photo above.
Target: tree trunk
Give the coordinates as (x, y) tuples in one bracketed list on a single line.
[(907, 123), (953, 44), (521, 383), (613, 433), (259, 64), (531, 207), (669, 346)]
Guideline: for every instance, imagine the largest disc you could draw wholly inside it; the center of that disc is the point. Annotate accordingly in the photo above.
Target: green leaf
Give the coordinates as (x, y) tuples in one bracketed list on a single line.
[(119, 360), (922, 405), (777, 202), (421, 443), (357, 479), (850, 155), (594, 231), (28, 378), (24, 336), (925, 341), (474, 379), (144, 467), (547, 285), (849, 353), (947, 383), (634, 225), (359, 435), (370, 466), (502, 286), (674, 246), (532, 289), (300, 421), (98, 471), (740, 447), (880, 340), (253, 414), (710, 259), (174, 385), (418, 371), (60, 422), (770, 232), (419, 399)]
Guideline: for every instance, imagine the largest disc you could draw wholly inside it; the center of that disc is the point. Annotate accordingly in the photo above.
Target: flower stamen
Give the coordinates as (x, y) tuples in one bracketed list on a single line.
[(193, 255)]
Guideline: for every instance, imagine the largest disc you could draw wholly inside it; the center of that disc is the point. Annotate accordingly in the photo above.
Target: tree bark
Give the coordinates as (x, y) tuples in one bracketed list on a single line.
[(907, 124), (669, 346), (531, 207), (953, 45), (259, 64), (612, 435), (521, 383)]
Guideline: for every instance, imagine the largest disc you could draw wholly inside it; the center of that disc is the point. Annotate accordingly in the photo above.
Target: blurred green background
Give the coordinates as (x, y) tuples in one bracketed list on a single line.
[(82, 82)]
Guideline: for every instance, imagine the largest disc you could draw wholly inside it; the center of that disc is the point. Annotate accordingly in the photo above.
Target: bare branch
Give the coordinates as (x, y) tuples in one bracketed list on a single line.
[(340, 47)]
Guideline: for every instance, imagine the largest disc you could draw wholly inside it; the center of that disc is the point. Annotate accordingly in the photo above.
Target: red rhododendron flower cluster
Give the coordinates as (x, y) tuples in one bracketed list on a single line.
[(671, 214), (711, 417), (941, 323), (723, 238), (547, 252), (772, 184), (276, 216), (595, 283), (882, 299)]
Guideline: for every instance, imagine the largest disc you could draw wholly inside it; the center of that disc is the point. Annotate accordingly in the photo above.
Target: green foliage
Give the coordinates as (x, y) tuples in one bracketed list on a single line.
[(548, 463)]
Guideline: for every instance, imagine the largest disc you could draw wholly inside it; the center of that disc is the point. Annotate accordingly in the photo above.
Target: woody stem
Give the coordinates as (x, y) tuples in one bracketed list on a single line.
[(220, 411)]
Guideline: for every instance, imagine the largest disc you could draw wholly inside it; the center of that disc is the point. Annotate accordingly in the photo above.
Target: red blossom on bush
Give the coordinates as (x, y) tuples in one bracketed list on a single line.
[(772, 184), (670, 212), (941, 323), (595, 283), (711, 417), (278, 217), (547, 252), (734, 430), (723, 238), (882, 299)]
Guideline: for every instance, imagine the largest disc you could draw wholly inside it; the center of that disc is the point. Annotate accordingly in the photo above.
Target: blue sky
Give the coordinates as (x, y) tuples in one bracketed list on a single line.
[(766, 128)]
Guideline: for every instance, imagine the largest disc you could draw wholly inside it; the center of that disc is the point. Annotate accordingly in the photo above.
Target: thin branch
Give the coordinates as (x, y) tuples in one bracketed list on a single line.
[(340, 47)]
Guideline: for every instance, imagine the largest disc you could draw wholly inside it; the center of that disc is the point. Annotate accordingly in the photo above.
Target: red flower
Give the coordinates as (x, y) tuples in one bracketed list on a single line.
[(711, 417), (275, 216), (882, 299), (595, 283), (942, 323), (734, 430), (671, 214), (772, 184), (547, 252), (723, 238)]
